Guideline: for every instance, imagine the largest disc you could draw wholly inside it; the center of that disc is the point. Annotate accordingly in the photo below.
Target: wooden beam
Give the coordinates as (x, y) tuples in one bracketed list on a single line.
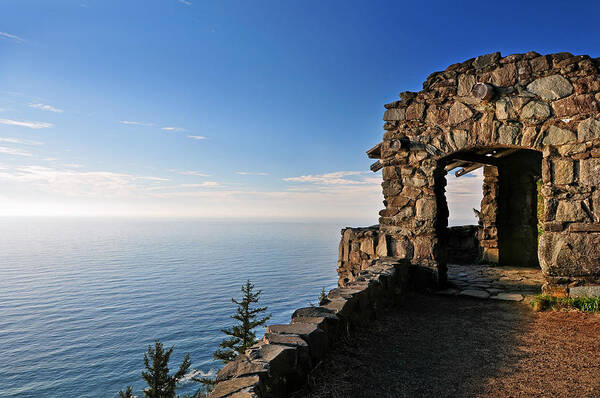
[(472, 161), (378, 165), (482, 91), (467, 170), (375, 152), (453, 165), (475, 158)]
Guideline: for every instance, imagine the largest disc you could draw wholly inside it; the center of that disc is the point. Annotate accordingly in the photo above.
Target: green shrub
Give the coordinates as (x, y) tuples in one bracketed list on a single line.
[(544, 302)]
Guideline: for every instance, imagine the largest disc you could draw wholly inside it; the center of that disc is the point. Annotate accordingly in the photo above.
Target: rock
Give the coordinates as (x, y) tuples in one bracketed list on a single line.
[(568, 211), (241, 366), (562, 170), (505, 76), (535, 112), (394, 114), (539, 64), (304, 362), (382, 249), (508, 297), (426, 208), (459, 112), (415, 111), (551, 87), (529, 136), (290, 340), (504, 109), (228, 387), (590, 172), (457, 139), (465, 84), (243, 394), (486, 60), (558, 136), (281, 360), (481, 294), (313, 312), (316, 338), (569, 253), (584, 291), (436, 115), (588, 130), (507, 135), (575, 105)]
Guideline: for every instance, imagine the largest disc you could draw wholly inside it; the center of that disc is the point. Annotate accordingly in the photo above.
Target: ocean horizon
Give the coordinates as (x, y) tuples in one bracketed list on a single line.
[(82, 298)]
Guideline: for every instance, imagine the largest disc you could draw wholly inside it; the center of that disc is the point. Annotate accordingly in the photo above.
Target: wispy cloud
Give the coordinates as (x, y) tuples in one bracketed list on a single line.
[(13, 151), (251, 173), (46, 107), (186, 2), (194, 173), (150, 178), (197, 137), (12, 37), (172, 128), (131, 123), (73, 182), (73, 165), (201, 185), (11, 140), (335, 178), (23, 123)]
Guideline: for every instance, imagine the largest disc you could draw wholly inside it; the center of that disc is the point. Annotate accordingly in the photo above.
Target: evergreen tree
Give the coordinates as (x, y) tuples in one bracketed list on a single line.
[(160, 383), (128, 393), (208, 385), (242, 335), (322, 295)]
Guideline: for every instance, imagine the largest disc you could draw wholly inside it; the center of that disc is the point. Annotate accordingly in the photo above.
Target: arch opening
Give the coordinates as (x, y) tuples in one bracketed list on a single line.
[(508, 218)]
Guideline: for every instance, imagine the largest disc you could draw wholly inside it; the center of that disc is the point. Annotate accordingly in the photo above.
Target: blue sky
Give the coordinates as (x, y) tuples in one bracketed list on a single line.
[(232, 108)]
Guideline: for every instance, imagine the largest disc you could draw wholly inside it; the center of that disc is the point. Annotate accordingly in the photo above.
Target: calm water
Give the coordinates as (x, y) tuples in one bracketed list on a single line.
[(80, 300)]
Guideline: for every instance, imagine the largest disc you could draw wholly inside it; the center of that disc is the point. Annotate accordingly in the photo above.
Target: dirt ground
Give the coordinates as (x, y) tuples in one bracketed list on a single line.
[(437, 346)]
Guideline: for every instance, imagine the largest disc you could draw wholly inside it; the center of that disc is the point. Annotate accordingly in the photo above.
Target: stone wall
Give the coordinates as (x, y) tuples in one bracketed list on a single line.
[(488, 230), (359, 247), (280, 363), (546, 103), (463, 245)]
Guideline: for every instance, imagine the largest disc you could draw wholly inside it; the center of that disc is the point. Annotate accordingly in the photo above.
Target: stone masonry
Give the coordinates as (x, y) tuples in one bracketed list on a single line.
[(520, 104), (281, 363)]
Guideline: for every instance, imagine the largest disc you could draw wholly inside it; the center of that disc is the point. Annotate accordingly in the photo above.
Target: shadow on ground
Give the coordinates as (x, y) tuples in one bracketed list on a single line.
[(437, 346)]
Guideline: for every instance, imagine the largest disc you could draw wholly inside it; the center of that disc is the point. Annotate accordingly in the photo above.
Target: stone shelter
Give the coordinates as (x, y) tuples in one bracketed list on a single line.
[(533, 123)]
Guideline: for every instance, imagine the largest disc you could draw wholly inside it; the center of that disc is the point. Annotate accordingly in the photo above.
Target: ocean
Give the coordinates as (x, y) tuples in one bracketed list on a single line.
[(81, 299)]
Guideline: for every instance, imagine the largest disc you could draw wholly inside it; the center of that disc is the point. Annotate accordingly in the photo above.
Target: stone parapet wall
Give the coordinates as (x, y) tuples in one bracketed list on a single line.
[(463, 245), (280, 364), (359, 247)]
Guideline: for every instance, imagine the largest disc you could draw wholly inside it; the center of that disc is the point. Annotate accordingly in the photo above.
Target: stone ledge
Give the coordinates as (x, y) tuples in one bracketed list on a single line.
[(280, 364)]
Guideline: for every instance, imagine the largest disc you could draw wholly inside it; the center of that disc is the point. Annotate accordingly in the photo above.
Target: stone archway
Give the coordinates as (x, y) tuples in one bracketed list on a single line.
[(544, 103), (508, 229)]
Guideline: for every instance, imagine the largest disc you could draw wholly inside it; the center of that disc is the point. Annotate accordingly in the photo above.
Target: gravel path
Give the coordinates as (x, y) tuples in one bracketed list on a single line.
[(436, 346)]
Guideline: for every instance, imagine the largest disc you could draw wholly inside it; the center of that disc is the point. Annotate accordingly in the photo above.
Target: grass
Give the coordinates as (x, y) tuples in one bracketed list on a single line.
[(544, 302)]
